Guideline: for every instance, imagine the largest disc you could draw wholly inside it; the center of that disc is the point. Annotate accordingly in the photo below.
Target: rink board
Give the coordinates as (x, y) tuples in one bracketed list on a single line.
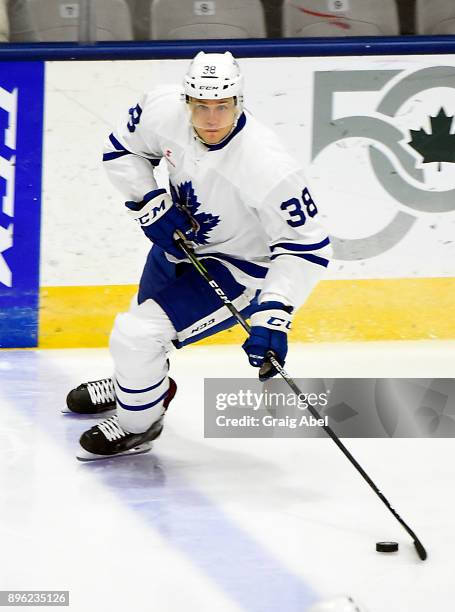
[(21, 135), (355, 310), (388, 206)]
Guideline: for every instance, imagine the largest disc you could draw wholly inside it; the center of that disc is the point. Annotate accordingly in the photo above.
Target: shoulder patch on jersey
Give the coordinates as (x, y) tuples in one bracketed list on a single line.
[(184, 195)]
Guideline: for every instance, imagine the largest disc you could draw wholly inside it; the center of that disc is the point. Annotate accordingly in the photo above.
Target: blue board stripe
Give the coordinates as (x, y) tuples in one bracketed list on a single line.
[(21, 133), (285, 47)]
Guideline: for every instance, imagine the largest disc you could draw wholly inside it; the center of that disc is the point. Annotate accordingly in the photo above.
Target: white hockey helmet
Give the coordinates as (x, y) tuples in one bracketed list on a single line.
[(214, 76)]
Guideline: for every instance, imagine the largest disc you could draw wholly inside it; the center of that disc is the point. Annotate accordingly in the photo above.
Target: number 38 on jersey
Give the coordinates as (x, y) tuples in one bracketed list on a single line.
[(298, 210)]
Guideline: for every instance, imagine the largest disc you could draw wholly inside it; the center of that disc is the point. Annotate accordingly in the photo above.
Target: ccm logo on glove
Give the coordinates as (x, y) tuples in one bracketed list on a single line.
[(151, 212), (270, 323), (277, 322), (159, 219)]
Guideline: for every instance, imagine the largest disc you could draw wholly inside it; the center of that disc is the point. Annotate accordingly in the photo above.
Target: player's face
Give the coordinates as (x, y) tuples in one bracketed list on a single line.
[(213, 119)]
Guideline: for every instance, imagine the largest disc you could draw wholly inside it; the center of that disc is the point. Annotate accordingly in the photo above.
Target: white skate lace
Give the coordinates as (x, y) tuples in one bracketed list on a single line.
[(101, 391), (112, 430)]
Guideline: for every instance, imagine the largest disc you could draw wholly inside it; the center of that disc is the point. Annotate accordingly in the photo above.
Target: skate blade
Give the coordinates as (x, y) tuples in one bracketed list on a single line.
[(66, 410), (83, 455)]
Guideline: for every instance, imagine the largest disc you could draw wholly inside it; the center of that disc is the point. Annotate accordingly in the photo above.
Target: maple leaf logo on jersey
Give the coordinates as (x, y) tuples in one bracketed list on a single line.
[(184, 195)]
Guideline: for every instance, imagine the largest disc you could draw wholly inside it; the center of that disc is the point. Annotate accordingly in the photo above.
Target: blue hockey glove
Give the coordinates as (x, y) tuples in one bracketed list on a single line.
[(159, 218), (270, 323)]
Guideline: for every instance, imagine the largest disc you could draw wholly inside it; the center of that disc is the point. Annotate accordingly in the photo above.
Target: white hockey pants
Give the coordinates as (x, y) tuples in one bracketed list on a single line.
[(140, 342)]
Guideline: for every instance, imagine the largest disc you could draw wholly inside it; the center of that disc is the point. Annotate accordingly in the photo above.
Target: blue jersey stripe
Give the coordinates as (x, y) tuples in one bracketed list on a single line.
[(293, 246), (144, 406), (320, 261), (125, 390), (116, 144), (115, 155)]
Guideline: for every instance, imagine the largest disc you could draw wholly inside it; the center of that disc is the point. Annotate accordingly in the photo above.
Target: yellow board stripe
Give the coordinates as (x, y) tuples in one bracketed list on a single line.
[(80, 316), (347, 310)]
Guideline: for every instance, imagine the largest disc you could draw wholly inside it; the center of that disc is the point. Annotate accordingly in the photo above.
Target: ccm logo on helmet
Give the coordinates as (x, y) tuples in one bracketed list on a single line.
[(208, 87)]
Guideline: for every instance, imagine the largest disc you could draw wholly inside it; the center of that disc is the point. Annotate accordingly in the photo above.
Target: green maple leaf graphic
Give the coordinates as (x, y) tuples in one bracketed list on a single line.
[(439, 145)]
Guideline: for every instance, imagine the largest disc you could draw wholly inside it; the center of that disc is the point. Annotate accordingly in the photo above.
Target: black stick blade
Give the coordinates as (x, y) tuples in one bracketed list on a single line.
[(420, 550)]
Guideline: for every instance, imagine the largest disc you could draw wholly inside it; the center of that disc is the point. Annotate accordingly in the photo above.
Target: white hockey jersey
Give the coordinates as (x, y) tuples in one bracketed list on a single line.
[(248, 195)]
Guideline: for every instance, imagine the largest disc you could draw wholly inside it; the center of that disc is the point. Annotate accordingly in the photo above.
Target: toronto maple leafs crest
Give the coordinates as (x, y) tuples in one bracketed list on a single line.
[(184, 195)]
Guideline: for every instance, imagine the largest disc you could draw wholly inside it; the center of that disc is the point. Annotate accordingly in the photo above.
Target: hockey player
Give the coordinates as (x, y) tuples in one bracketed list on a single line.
[(242, 202)]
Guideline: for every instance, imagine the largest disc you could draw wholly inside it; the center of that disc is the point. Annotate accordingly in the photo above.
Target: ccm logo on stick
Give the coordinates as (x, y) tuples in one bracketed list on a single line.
[(220, 292)]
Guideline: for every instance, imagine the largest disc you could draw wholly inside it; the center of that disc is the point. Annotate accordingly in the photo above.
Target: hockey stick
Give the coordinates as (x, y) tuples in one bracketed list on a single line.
[(271, 357)]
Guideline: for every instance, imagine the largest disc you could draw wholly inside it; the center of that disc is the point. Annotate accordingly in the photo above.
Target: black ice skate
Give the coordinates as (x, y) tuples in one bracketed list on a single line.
[(91, 397), (108, 439)]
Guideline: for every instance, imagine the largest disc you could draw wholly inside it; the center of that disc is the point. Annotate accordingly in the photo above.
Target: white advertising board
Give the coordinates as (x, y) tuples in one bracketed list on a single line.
[(386, 188)]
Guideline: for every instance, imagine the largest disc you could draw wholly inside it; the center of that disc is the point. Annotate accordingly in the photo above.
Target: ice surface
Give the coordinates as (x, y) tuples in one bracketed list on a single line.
[(220, 524)]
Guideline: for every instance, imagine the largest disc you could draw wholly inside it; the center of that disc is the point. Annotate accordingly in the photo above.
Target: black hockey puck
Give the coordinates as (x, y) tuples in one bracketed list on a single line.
[(387, 547)]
